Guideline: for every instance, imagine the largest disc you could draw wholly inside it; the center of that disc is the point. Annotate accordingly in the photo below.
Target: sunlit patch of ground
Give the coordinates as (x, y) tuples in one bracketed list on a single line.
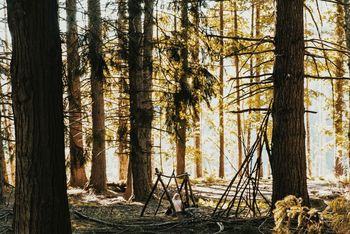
[(111, 213)]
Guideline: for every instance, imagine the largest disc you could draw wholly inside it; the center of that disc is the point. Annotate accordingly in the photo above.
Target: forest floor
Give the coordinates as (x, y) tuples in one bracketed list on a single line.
[(111, 213)]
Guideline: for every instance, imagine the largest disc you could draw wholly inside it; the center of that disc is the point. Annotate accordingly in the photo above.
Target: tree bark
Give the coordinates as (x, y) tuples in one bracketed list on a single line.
[(41, 204), (141, 109), (339, 103), (288, 160), (181, 137), (98, 178), (123, 101), (221, 97), (77, 160), (147, 83)]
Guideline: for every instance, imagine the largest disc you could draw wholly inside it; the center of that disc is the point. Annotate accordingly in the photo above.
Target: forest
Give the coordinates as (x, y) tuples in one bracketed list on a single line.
[(174, 116)]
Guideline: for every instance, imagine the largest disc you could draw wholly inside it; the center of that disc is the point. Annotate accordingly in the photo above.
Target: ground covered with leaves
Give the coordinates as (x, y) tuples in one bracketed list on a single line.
[(111, 213)]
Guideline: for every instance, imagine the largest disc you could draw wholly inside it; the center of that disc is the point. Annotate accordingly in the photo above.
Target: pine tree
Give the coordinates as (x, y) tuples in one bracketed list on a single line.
[(98, 178), (181, 132), (141, 108), (77, 160), (288, 160), (41, 204)]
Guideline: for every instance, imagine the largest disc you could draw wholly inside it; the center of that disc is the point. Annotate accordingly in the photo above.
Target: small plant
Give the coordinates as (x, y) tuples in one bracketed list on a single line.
[(290, 213), (210, 179), (338, 214)]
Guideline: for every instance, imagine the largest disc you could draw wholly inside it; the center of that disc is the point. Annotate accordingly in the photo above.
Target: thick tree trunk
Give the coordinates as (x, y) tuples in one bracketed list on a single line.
[(123, 102), (221, 97), (147, 83), (181, 137), (339, 94), (288, 161), (141, 109), (41, 204), (98, 178), (77, 160)]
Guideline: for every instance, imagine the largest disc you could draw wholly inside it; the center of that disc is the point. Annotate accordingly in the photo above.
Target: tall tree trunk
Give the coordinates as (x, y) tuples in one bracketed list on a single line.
[(251, 73), (339, 94), (98, 177), (347, 37), (123, 99), (308, 135), (238, 94), (288, 160), (41, 204), (147, 104), (257, 79), (141, 109), (77, 160), (308, 103), (221, 96), (181, 137), (197, 119)]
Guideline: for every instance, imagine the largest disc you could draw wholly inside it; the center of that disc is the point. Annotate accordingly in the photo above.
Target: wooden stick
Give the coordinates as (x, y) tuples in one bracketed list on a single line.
[(150, 195), (161, 198), (167, 193)]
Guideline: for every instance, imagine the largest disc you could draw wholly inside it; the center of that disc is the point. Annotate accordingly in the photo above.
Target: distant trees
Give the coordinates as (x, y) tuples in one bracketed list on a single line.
[(176, 70), (41, 204), (238, 91), (347, 42), (288, 160), (338, 92)]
